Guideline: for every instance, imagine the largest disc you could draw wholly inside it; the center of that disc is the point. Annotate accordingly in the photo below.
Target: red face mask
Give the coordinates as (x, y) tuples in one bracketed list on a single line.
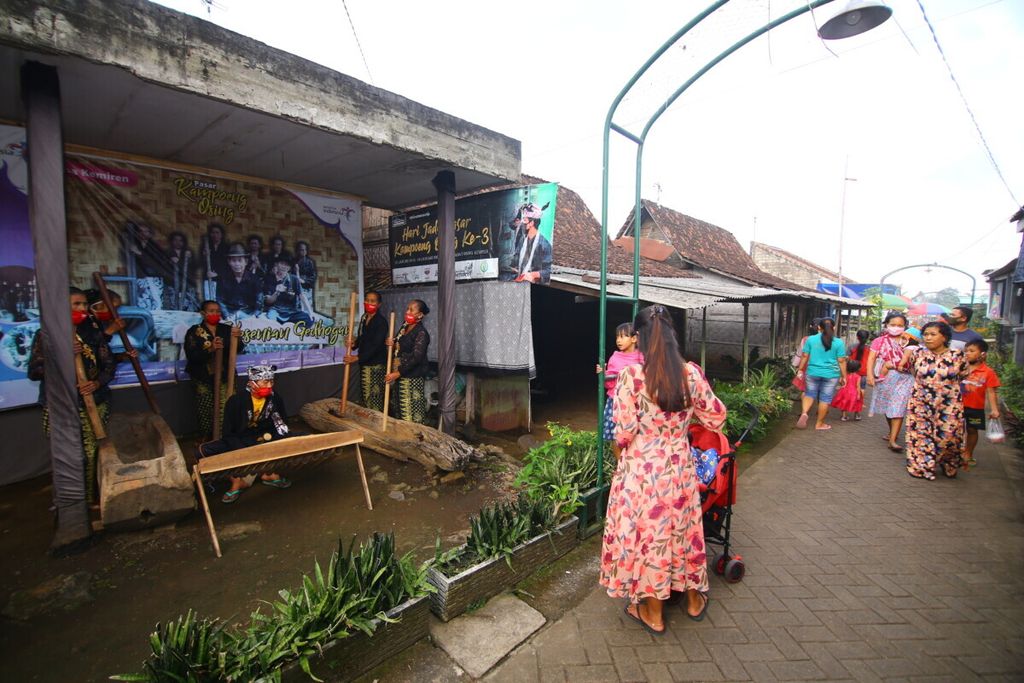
[(410, 319), (262, 392), (371, 308), (78, 317), (213, 318), (104, 316)]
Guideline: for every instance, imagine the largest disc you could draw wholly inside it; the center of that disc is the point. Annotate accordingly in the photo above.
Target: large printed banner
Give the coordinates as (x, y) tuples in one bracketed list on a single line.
[(504, 235), (281, 263)]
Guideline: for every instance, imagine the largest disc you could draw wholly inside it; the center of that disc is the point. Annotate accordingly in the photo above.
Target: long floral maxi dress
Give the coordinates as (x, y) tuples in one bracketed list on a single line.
[(935, 416), (653, 537)]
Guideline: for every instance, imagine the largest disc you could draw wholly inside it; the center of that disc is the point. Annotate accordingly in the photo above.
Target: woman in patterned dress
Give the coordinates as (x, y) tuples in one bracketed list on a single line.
[(935, 416), (653, 536), (891, 387), (410, 371)]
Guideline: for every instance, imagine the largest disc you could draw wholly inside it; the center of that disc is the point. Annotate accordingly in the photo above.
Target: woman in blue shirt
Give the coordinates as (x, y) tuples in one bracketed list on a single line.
[(824, 362)]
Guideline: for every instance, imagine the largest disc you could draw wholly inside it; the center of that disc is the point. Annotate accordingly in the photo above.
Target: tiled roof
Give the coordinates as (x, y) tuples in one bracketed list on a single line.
[(707, 246), (825, 272)]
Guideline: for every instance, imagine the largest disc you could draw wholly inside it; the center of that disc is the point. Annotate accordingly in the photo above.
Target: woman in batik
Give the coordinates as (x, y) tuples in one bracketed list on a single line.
[(410, 373), (935, 416), (653, 535), (201, 344), (371, 345)]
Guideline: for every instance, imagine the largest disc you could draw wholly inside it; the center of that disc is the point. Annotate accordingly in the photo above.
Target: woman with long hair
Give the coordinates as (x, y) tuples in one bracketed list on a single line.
[(891, 385), (824, 362), (653, 535), (935, 414)]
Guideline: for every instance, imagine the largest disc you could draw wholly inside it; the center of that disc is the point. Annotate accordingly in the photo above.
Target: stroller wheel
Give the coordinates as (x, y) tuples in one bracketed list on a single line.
[(734, 570), (718, 565)]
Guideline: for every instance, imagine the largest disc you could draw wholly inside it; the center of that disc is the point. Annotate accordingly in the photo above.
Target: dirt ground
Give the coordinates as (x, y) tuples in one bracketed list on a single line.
[(127, 582)]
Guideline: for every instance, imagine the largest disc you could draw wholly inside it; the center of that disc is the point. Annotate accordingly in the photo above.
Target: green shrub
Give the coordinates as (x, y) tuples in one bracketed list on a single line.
[(496, 531), (764, 391), (1011, 394), (562, 467), (359, 585)]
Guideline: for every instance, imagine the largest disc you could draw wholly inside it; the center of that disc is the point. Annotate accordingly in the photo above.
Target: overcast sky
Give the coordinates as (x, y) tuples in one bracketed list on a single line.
[(758, 146)]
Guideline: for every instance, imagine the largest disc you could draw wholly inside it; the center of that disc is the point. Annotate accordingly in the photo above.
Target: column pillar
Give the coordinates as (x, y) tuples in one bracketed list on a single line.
[(444, 182)]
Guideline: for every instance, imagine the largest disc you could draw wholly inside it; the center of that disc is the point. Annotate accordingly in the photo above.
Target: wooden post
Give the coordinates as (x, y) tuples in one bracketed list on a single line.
[(89, 401), (704, 338), (198, 479), (387, 371), (746, 339), (218, 370), (232, 361), (126, 341), (772, 336), (349, 340)]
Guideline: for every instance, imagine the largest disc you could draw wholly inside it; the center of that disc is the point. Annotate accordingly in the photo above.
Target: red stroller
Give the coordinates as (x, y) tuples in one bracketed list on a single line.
[(718, 497)]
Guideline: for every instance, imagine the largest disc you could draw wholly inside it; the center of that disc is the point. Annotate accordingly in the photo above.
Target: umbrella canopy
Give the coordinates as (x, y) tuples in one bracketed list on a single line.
[(925, 308), (896, 301)]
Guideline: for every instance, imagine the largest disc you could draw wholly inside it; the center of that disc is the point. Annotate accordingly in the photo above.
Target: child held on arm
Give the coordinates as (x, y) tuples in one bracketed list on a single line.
[(626, 341), (981, 384), (850, 399)]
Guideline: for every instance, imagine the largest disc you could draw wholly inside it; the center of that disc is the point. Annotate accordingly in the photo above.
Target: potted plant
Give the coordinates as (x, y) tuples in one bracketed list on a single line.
[(507, 542)]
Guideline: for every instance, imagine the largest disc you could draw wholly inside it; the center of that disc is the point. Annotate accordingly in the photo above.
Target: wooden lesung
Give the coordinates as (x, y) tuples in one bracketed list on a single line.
[(285, 454)]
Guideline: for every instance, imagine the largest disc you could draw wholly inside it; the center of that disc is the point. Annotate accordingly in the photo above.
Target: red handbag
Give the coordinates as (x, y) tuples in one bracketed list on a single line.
[(800, 382)]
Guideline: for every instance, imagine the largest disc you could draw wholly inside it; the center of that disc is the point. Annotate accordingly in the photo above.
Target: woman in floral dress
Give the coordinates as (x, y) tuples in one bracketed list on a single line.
[(935, 416), (653, 536)]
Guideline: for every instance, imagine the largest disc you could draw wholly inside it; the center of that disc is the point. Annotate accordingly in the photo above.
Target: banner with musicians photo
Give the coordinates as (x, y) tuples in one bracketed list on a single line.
[(280, 262), (504, 235)]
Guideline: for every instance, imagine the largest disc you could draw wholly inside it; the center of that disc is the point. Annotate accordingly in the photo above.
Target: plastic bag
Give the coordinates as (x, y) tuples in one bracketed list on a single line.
[(706, 463), (994, 431)]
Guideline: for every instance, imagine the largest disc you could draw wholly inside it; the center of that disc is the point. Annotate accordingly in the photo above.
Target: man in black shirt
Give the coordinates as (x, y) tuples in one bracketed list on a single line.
[(240, 293)]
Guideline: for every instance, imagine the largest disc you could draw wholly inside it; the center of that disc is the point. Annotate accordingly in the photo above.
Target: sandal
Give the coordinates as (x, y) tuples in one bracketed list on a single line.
[(231, 496), (823, 428), (703, 610), (857, 418), (279, 483), (637, 618), (844, 419), (895, 449)]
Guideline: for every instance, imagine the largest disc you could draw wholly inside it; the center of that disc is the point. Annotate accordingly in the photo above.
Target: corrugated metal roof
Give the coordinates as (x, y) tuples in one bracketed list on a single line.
[(693, 293), (574, 280)]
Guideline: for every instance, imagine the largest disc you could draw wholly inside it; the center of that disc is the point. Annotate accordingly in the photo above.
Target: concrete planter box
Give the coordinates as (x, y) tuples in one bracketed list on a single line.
[(588, 513), (481, 581), (348, 658), (142, 474)]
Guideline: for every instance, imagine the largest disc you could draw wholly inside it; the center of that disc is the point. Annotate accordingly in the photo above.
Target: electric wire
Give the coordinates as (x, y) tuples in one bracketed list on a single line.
[(358, 44), (967, 106)]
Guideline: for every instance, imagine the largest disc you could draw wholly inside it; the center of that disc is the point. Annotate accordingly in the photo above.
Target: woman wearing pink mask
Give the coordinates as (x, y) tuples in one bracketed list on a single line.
[(892, 387), (252, 417), (201, 344), (410, 374)]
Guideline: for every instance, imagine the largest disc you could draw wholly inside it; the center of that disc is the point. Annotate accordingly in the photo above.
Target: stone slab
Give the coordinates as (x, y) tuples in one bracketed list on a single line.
[(478, 640)]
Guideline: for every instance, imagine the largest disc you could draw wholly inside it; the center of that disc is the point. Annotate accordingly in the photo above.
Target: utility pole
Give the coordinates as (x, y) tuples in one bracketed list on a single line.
[(842, 221)]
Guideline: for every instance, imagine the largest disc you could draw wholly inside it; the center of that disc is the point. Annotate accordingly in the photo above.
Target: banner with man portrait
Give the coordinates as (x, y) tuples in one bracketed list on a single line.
[(280, 262), (504, 235)]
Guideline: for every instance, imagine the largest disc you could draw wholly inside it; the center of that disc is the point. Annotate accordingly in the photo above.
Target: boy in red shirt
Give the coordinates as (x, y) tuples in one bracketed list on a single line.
[(980, 384)]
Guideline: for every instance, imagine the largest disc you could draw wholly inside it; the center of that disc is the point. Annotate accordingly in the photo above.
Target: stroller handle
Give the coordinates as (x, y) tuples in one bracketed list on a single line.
[(755, 415)]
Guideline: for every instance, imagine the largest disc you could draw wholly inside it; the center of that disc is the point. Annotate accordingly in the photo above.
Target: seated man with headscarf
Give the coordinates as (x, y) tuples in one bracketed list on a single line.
[(252, 417)]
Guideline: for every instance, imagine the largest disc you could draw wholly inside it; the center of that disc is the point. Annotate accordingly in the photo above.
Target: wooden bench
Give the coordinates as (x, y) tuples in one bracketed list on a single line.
[(285, 454)]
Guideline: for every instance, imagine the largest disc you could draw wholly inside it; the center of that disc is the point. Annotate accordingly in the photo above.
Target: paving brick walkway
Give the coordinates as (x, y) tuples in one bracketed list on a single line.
[(855, 571)]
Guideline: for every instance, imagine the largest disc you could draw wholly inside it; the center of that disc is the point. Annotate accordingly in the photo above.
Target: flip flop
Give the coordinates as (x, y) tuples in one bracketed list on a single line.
[(801, 423), (637, 618), (231, 496), (703, 610), (824, 428), (895, 449), (279, 483)]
